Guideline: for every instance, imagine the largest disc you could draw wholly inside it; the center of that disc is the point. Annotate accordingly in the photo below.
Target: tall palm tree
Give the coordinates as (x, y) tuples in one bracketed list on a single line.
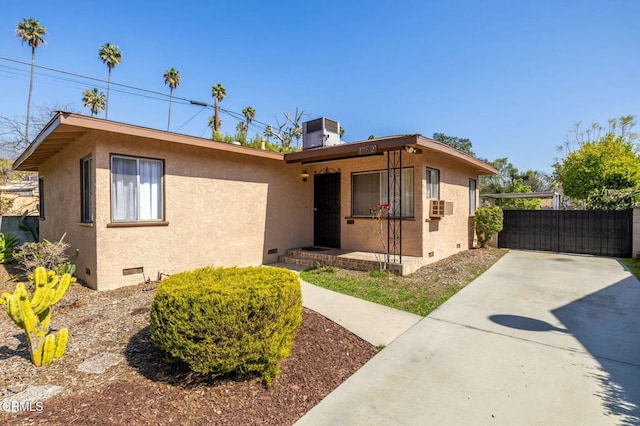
[(215, 135), (249, 115), (172, 78), (31, 31), (218, 92), (241, 130), (94, 100), (112, 56)]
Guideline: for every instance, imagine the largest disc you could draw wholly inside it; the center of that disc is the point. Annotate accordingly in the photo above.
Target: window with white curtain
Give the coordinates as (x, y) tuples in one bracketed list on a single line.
[(136, 189), (433, 184), (370, 189)]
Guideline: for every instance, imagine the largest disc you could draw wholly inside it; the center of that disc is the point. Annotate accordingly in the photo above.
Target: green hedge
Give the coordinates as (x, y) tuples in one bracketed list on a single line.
[(224, 320)]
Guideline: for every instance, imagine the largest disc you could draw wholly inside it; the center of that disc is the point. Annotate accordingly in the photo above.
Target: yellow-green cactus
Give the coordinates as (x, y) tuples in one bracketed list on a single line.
[(33, 314)]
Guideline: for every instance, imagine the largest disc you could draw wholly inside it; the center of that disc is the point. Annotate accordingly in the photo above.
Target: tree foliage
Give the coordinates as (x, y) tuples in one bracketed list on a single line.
[(461, 144), (510, 180), (32, 32), (605, 172), (488, 221), (218, 92), (94, 100), (287, 131), (172, 79), (111, 55)]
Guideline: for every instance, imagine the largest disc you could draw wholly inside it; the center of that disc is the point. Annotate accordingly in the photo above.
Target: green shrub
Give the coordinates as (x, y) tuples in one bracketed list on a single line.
[(228, 320), (7, 243), (488, 221)]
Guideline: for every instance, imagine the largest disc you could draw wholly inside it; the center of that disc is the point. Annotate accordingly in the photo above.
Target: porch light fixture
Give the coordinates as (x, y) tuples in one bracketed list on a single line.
[(305, 176), (410, 149)]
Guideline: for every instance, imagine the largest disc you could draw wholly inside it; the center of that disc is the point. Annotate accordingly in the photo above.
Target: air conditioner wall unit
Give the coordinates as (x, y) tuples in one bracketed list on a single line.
[(436, 208), (320, 132)]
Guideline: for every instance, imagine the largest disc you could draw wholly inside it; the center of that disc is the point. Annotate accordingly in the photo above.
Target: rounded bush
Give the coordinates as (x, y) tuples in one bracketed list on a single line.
[(224, 320)]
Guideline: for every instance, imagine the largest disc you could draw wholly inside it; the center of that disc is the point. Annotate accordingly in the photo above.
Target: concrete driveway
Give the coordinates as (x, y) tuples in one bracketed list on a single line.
[(539, 339)]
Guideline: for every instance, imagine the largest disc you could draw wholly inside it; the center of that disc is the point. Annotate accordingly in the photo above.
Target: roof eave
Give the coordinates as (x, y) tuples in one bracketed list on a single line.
[(91, 123), (46, 131)]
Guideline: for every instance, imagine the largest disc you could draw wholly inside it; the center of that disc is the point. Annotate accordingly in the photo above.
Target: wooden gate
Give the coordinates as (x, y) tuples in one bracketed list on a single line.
[(600, 233)]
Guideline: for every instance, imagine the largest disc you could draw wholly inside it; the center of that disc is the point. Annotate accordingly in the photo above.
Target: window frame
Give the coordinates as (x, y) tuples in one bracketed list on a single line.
[(382, 191), (86, 200), (41, 204), (473, 197), (430, 173), (162, 204)]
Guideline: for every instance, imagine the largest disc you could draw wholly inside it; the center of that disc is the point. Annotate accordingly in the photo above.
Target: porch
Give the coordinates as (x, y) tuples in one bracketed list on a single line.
[(349, 259)]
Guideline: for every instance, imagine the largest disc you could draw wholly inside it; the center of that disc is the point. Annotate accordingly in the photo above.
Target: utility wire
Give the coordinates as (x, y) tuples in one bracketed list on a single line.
[(150, 94)]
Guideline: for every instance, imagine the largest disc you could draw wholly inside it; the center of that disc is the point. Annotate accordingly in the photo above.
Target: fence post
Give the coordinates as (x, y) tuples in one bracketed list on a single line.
[(635, 245)]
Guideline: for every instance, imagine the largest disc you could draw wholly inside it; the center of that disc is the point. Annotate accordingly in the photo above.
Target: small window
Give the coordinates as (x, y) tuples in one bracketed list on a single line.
[(472, 196), (371, 188), (433, 184), (136, 189), (41, 197), (86, 177)]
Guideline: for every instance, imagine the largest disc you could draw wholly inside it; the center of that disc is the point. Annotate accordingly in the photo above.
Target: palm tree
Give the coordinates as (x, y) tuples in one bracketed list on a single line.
[(241, 129), (94, 100), (218, 92), (31, 31), (249, 115), (215, 135), (111, 56), (172, 78)]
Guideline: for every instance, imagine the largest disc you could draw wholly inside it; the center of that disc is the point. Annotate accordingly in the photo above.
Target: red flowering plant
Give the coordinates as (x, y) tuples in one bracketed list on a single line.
[(380, 212)]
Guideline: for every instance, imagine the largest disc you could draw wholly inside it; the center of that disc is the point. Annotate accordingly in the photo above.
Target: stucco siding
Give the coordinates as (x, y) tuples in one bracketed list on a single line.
[(61, 175), (362, 234), (453, 232), (222, 209)]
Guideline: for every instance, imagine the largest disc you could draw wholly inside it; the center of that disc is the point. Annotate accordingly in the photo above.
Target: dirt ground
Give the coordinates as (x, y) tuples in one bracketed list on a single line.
[(144, 389)]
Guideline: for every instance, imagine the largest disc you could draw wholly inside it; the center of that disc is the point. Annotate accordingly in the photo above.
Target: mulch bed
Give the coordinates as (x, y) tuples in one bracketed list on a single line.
[(144, 389)]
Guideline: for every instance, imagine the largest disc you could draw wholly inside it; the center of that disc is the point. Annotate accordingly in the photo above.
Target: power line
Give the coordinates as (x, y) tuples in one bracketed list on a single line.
[(126, 89)]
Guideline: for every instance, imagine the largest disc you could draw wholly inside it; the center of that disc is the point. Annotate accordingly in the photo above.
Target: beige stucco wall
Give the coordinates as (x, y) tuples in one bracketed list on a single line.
[(222, 209), (61, 175), (431, 239), (231, 209), (17, 204), (451, 233), (362, 234)]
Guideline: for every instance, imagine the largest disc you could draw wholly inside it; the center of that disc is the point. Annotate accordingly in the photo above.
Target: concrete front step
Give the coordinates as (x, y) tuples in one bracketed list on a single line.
[(347, 259), (313, 258)]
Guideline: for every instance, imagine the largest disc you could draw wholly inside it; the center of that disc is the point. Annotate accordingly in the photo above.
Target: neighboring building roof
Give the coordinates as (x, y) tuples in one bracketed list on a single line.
[(390, 143), (19, 186), (545, 194), (65, 127)]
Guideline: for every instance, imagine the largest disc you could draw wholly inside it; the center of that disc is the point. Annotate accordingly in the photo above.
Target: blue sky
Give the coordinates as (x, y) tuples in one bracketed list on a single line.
[(513, 76)]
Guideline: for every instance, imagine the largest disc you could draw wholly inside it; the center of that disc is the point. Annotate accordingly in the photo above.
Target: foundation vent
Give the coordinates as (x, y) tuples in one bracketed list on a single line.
[(132, 271)]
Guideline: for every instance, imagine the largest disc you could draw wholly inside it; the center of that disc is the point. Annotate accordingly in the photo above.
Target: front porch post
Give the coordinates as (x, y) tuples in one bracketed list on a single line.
[(394, 195)]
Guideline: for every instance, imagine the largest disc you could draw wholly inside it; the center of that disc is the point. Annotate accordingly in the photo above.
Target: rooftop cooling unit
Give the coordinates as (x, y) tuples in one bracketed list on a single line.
[(320, 132)]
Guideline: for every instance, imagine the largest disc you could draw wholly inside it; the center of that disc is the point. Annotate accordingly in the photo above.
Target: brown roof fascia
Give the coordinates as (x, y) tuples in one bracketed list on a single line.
[(351, 149), (373, 146), (79, 122)]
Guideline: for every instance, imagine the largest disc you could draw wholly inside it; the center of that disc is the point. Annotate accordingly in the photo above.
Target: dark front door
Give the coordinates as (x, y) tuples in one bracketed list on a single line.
[(326, 209)]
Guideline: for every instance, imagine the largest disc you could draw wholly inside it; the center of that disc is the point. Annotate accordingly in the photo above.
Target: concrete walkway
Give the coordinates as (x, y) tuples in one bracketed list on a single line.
[(377, 324), (539, 339)]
